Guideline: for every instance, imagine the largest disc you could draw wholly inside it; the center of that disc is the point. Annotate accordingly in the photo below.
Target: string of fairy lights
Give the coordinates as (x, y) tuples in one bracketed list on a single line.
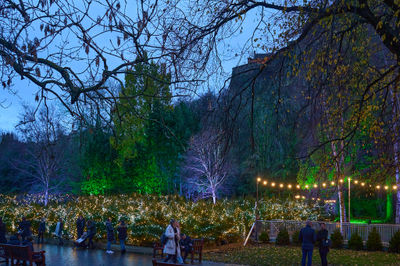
[(289, 186)]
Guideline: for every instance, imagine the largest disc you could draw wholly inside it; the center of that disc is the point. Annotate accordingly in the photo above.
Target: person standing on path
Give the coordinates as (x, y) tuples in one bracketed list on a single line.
[(122, 234), (172, 248), (91, 228), (80, 226), (25, 228), (322, 238), (110, 235), (41, 230), (59, 231), (307, 238)]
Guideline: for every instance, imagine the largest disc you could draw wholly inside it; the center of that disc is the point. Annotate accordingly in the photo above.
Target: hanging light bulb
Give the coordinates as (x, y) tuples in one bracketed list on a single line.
[(281, 185), (258, 179), (355, 181), (273, 184), (362, 184), (315, 186), (298, 186), (289, 186), (265, 183), (394, 187), (332, 183), (323, 184)]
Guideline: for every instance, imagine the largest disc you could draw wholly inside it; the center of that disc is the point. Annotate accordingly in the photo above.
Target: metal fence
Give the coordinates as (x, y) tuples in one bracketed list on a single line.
[(272, 227)]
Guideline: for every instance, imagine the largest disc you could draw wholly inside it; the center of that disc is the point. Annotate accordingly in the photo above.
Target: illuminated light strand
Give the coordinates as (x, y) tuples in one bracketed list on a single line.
[(324, 185)]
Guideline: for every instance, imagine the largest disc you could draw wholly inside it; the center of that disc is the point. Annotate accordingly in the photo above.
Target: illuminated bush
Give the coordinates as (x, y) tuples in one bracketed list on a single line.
[(148, 215)]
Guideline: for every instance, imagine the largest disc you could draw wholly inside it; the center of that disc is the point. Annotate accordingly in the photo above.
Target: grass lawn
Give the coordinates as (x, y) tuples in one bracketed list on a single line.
[(270, 254)]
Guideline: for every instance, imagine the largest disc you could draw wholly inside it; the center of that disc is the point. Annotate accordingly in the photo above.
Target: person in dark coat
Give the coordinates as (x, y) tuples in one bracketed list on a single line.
[(110, 235), (25, 228), (91, 227), (3, 231), (28, 242), (41, 230), (322, 237), (14, 240), (186, 244), (122, 235), (80, 226), (307, 238)]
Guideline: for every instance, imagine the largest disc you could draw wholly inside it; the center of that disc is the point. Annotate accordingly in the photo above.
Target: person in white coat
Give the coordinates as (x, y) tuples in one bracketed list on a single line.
[(172, 248)]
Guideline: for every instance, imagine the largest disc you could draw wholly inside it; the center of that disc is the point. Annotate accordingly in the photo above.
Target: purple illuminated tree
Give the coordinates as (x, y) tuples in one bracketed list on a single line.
[(45, 166), (206, 165)]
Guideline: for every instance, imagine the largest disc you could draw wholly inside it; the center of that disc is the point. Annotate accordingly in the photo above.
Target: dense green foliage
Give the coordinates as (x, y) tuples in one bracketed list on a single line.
[(337, 239), (355, 242), (394, 243), (282, 237), (295, 238), (374, 242), (264, 237)]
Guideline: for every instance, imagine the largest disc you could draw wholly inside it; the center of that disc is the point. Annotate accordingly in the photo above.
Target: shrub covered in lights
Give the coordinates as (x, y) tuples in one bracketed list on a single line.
[(148, 215)]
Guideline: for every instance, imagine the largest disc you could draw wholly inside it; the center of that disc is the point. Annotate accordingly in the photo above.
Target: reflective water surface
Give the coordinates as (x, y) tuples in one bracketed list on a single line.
[(65, 255)]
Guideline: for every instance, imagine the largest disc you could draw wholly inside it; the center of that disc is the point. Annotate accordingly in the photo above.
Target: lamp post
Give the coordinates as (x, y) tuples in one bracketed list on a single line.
[(349, 179), (258, 181)]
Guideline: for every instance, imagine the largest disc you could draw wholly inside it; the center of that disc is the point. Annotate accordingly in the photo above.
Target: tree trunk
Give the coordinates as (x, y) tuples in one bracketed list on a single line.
[(46, 196), (214, 196), (396, 151), (342, 209)]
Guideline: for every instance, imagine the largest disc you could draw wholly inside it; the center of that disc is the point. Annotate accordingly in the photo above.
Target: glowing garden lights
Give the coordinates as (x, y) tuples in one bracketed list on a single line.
[(325, 185)]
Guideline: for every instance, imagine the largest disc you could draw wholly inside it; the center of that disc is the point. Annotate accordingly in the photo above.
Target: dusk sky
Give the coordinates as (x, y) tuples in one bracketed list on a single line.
[(11, 104)]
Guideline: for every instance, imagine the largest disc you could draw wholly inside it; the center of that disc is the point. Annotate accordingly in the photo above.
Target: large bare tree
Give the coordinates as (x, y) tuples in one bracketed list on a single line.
[(46, 164), (206, 166)]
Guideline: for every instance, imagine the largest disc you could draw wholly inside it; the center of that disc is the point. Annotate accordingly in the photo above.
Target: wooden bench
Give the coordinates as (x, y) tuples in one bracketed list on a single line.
[(159, 263), (23, 253), (3, 256), (158, 250), (197, 249)]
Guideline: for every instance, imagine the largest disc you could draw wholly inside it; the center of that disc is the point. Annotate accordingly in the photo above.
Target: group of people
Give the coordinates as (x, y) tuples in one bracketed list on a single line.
[(308, 237), (24, 234), (23, 237), (174, 242)]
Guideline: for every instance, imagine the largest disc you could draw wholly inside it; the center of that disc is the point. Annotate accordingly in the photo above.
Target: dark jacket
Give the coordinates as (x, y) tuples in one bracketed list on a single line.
[(186, 243), (122, 232), (322, 235), (3, 238), (28, 243), (14, 241), (110, 231), (42, 227), (91, 229), (307, 238), (80, 224), (25, 228)]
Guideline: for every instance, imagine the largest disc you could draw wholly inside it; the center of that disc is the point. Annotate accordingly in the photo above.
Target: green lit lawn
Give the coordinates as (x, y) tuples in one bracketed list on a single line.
[(273, 255)]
